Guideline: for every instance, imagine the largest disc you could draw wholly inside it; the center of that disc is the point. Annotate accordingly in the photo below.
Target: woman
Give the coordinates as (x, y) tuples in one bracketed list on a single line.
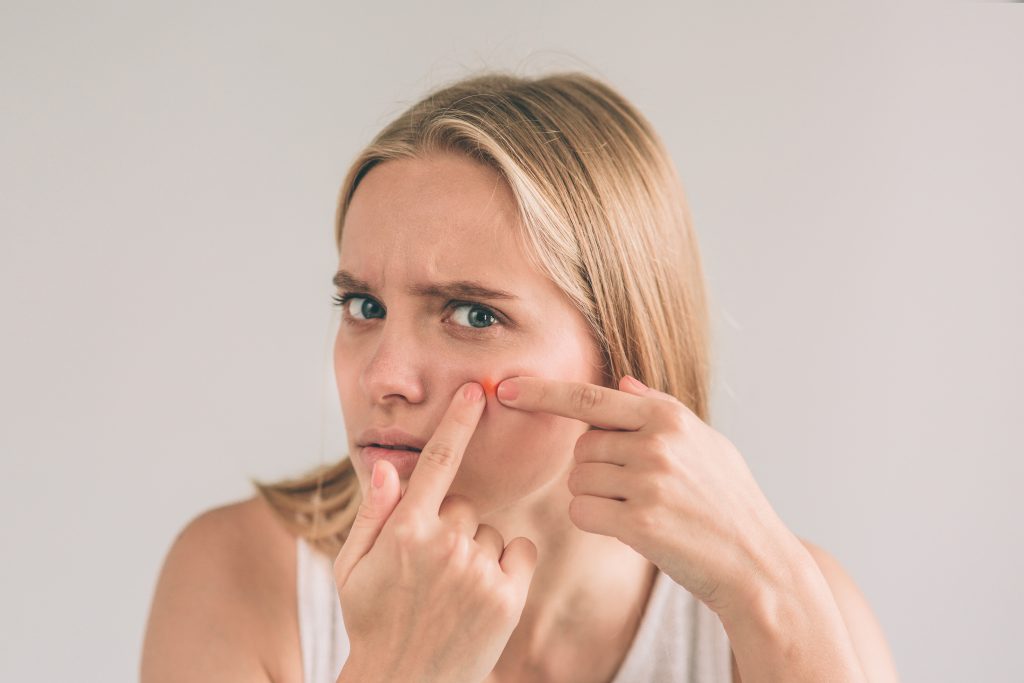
[(528, 240)]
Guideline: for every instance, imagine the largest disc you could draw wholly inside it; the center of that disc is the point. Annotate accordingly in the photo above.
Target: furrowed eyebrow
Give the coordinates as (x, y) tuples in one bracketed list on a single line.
[(455, 289), (346, 280)]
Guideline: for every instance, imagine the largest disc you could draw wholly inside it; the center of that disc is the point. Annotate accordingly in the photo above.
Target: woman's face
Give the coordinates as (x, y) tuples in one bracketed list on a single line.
[(408, 339)]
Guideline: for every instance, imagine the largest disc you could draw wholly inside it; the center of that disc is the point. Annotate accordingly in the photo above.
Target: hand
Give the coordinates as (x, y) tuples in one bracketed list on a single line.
[(427, 593), (661, 480)]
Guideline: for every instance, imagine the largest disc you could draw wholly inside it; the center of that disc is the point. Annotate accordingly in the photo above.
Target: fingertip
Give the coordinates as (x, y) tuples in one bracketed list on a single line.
[(384, 497), (632, 384), (507, 389), (472, 391)]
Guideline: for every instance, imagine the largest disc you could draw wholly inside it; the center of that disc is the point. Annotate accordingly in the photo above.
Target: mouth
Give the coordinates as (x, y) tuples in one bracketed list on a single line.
[(402, 457), (390, 439), (392, 447)]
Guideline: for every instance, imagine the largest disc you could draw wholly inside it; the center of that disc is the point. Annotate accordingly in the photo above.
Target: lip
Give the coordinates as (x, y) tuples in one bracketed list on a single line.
[(404, 462), (390, 436)]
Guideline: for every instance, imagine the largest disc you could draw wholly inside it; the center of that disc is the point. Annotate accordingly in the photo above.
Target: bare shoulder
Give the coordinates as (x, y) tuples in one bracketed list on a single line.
[(866, 633), (224, 605)]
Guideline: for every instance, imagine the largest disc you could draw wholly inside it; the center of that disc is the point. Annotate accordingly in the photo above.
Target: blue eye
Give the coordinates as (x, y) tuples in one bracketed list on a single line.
[(475, 316), (360, 307)]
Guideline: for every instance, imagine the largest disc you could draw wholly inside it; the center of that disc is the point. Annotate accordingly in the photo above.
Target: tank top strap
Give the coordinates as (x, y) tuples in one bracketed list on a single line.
[(325, 646), (679, 639)]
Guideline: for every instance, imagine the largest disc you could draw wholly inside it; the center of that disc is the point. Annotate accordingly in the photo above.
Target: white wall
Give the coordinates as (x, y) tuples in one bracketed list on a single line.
[(169, 174)]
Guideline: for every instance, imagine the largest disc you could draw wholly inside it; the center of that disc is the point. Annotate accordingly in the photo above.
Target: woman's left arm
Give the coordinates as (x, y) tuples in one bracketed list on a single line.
[(861, 624), (810, 623), (658, 478)]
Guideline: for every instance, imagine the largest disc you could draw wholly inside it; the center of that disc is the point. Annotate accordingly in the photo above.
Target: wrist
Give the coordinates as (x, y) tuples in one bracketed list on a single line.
[(769, 569), (787, 626), (770, 600)]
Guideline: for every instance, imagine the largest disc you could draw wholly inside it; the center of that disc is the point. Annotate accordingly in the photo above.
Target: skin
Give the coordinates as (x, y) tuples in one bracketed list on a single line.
[(406, 226), (663, 481), (224, 606)]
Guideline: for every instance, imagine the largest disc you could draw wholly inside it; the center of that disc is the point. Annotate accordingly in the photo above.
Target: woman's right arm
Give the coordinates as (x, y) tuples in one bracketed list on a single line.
[(202, 622)]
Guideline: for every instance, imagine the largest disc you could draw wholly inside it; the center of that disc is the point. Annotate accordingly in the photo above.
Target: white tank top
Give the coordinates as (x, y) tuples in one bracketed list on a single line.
[(679, 638)]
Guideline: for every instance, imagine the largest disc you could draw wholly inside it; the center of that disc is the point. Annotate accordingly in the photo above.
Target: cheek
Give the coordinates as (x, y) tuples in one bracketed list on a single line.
[(489, 386), (540, 438), (515, 441)]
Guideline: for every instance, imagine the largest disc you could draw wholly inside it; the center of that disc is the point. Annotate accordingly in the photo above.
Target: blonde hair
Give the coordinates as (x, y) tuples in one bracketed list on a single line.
[(604, 215)]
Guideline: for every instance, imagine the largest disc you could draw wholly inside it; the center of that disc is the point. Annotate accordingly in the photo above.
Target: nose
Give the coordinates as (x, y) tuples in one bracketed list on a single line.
[(394, 372)]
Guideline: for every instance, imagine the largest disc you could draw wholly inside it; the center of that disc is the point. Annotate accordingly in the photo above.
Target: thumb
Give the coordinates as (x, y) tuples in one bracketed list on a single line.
[(373, 513)]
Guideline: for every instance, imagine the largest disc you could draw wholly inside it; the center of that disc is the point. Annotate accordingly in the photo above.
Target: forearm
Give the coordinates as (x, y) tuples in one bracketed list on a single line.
[(789, 628)]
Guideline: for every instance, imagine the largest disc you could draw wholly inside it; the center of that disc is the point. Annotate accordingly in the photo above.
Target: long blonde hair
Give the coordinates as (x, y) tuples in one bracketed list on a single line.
[(604, 216)]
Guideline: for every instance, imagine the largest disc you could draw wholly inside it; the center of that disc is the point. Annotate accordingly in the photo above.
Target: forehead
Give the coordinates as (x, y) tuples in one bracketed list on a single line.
[(443, 216)]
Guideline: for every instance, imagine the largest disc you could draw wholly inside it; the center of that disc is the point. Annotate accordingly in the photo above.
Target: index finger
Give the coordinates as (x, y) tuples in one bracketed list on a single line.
[(441, 456), (596, 405)]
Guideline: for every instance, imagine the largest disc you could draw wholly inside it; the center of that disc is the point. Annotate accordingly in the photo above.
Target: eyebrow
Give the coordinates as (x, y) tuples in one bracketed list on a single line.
[(453, 289)]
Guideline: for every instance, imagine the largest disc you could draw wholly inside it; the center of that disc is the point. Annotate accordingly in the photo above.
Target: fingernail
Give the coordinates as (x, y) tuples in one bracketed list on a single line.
[(377, 476), (508, 390), (473, 391), (637, 384)]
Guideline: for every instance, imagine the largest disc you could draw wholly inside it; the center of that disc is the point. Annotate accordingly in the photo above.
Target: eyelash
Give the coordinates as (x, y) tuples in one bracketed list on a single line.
[(348, 296)]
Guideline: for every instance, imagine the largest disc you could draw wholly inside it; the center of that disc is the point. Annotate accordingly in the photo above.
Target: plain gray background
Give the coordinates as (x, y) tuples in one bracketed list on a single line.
[(169, 174)]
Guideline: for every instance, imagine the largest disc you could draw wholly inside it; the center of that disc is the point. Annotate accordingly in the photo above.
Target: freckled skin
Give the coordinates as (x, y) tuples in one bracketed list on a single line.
[(446, 218)]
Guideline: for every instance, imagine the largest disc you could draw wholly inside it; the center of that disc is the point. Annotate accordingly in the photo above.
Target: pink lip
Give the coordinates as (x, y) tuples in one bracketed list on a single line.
[(403, 461), (391, 436)]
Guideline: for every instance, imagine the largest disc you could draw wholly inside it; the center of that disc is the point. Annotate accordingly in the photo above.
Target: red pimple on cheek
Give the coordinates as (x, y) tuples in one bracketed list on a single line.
[(489, 386)]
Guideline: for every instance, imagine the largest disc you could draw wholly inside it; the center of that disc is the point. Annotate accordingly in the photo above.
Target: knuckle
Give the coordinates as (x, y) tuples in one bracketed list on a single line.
[(506, 604), (577, 512), (579, 452), (464, 419), (673, 415), (573, 480), (655, 445), (658, 447), (585, 398), (481, 572), (440, 452), (645, 521), (402, 533), (663, 456), (454, 544), (584, 445), (659, 491), (408, 532)]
